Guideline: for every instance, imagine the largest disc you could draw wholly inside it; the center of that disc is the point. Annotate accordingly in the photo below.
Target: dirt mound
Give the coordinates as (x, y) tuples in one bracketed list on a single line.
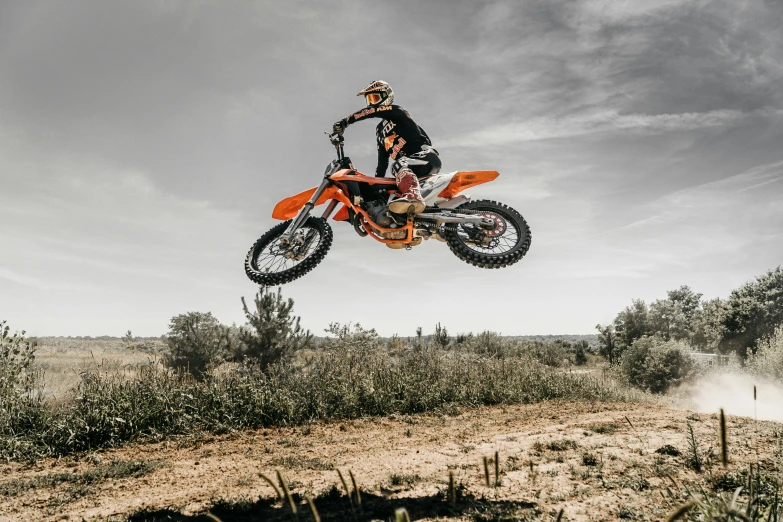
[(593, 460)]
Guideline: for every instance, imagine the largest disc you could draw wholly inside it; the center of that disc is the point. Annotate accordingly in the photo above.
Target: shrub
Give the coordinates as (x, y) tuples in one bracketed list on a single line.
[(273, 333), (580, 358), (441, 336), (491, 344), (16, 356), (353, 375), (656, 365), (196, 339), (768, 360), (22, 410)]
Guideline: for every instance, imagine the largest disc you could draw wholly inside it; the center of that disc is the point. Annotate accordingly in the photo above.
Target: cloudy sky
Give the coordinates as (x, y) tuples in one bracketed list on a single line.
[(144, 144)]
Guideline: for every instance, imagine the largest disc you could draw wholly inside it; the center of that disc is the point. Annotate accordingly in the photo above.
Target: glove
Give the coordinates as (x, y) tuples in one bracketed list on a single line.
[(339, 127)]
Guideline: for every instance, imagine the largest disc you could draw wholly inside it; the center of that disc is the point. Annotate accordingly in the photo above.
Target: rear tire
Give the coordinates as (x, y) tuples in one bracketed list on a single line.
[(268, 263), (504, 245)]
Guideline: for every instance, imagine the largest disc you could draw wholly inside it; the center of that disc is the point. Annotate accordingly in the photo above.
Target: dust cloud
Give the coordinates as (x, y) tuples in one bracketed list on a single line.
[(734, 393)]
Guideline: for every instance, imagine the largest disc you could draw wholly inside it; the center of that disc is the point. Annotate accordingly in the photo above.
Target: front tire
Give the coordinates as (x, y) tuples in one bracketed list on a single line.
[(270, 263), (502, 246)]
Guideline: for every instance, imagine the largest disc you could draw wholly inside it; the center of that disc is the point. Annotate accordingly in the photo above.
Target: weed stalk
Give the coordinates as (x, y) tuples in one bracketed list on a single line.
[(274, 486), (724, 444), (401, 515), (313, 511), (355, 488), (497, 470), (287, 492)]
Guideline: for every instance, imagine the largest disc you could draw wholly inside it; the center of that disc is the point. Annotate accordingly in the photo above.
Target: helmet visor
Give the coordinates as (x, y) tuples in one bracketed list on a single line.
[(372, 98)]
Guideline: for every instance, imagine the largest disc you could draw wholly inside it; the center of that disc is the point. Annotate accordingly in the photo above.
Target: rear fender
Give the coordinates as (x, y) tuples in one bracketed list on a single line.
[(463, 180)]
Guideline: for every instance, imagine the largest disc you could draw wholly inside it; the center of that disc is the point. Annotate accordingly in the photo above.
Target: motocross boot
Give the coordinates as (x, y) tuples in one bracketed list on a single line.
[(379, 212), (408, 184)]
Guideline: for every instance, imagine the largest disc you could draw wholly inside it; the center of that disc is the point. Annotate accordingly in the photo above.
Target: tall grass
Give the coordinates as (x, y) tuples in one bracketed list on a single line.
[(349, 377)]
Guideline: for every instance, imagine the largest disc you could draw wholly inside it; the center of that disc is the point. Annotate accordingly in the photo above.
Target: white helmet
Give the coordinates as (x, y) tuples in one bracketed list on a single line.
[(378, 93)]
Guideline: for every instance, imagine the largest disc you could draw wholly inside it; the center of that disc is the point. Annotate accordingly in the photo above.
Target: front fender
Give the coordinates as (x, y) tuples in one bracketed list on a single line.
[(289, 207)]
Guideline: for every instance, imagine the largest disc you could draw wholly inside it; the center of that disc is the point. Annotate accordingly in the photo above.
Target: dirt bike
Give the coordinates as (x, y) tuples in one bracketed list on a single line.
[(483, 233)]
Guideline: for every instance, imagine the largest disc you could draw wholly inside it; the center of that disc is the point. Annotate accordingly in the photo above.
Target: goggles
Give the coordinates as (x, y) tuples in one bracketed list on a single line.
[(373, 98)]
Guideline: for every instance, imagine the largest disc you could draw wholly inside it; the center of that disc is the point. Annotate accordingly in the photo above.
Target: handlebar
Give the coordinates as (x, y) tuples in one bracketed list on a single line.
[(337, 140)]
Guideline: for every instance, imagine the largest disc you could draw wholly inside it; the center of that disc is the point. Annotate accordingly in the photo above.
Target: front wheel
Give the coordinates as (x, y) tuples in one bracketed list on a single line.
[(502, 244), (270, 262)]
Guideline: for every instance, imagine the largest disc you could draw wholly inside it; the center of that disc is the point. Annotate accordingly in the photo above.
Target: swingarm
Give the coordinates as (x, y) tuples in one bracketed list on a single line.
[(462, 219)]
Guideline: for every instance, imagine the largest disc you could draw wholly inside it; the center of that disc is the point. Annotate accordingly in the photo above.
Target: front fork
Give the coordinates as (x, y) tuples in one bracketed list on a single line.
[(304, 213)]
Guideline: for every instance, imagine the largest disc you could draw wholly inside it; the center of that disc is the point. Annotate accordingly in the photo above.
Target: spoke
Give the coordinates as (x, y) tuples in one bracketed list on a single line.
[(273, 258), (271, 261), (493, 245), (275, 265)]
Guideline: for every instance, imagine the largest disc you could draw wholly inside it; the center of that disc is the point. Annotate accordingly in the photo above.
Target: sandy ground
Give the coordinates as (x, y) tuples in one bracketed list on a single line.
[(595, 461)]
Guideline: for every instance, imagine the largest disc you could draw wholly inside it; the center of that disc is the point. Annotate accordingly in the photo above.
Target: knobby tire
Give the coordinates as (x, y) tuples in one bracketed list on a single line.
[(487, 260), (298, 270)]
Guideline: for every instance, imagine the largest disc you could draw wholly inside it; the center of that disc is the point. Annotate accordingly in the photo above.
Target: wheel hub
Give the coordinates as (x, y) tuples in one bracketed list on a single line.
[(497, 227)]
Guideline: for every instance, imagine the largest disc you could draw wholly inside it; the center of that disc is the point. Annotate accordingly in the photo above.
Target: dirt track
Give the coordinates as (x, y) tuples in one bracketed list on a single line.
[(410, 458)]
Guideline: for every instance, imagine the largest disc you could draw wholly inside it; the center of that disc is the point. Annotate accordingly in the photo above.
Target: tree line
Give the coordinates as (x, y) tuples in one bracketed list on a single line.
[(735, 325)]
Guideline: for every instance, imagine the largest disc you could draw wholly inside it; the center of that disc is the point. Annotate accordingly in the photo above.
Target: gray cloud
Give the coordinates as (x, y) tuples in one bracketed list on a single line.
[(142, 146)]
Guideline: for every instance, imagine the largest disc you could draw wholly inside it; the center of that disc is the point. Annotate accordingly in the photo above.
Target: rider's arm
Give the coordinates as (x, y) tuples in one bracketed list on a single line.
[(383, 161), (389, 112)]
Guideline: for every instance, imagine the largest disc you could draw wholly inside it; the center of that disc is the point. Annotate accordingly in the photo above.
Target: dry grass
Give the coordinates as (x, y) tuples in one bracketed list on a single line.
[(63, 359)]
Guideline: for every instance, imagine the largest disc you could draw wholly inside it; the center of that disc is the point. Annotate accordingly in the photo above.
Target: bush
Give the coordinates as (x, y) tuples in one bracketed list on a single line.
[(22, 410), (16, 356), (491, 344), (352, 376), (580, 358), (768, 360), (195, 340), (656, 365), (273, 333)]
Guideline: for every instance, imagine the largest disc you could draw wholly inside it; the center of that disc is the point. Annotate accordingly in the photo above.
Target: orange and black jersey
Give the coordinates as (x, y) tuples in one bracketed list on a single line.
[(397, 134)]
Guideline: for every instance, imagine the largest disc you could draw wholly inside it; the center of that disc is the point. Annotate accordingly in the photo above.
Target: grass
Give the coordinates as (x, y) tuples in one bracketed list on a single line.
[(589, 459), (79, 484), (343, 380), (606, 428), (555, 445), (404, 479), (752, 495), (62, 360), (295, 462), (694, 459)]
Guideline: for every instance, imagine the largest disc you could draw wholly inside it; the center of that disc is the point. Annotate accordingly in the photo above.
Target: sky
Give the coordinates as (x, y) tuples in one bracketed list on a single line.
[(143, 146)]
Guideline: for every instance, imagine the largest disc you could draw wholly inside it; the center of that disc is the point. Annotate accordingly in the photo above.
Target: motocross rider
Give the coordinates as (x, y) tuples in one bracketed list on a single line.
[(402, 140)]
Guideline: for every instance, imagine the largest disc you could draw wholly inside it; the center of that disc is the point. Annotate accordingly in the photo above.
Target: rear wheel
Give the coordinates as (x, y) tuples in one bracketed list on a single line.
[(501, 244), (270, 262)]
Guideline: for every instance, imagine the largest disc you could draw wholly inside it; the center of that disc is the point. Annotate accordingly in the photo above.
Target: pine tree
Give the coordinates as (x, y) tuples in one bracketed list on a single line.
[(441, 336), (272, 333)]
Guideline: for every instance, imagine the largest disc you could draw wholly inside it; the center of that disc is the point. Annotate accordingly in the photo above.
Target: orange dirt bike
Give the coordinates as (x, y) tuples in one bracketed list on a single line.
[(483, 233)]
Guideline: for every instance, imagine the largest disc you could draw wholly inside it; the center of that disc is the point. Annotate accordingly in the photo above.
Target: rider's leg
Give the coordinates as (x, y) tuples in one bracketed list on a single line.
[(408, 185), (407, 173)]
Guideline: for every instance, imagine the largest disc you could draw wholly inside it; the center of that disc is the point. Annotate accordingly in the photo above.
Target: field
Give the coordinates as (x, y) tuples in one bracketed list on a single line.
[(62, 359), (517, 442)]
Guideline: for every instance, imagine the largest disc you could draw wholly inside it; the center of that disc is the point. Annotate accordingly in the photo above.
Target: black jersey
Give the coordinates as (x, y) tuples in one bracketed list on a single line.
[(397, 134)]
